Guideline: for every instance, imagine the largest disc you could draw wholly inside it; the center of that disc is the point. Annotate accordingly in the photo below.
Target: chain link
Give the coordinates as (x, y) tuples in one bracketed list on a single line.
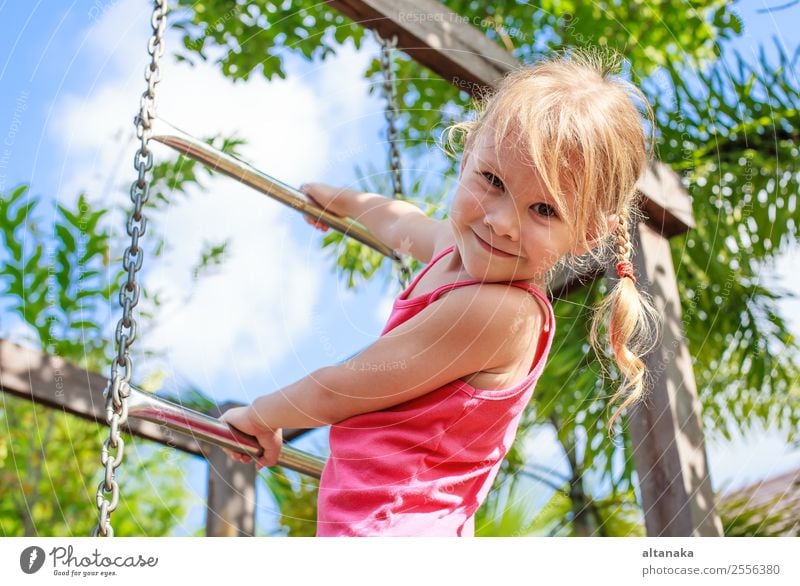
[(118, 389), (392, 113)]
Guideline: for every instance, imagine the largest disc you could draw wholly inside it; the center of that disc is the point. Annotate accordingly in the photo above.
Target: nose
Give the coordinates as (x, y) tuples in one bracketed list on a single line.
[(503, 221)]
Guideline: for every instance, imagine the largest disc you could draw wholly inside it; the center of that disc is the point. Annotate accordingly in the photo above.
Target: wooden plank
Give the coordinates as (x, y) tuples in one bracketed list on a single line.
[(436, 37), (666, 431), (666, 201), (56, 383)]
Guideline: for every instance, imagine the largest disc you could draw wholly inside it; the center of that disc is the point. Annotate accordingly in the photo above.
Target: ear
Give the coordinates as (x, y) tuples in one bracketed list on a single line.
[(594, 241)]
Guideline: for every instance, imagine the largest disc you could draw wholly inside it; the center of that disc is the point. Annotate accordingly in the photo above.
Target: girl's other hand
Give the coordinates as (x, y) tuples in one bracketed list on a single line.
[(331, 199), (270, 440)]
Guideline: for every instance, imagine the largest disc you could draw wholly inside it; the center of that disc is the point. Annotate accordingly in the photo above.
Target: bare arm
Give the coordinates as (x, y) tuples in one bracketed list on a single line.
[(467, 330), (399, 224)]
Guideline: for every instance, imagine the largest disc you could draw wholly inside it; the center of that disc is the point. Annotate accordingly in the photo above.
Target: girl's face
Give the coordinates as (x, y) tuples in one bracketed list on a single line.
[(504, 220)]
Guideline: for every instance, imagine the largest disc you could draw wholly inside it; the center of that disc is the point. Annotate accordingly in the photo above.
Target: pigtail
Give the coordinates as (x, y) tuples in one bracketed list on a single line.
[(632, 324)]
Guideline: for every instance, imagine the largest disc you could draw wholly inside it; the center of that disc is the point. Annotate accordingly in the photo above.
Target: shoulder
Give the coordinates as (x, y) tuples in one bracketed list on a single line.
[(509, 317), (497, 300)]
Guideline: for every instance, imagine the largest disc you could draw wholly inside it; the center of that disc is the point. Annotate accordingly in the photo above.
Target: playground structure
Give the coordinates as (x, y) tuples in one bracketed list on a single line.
[(667, 436)]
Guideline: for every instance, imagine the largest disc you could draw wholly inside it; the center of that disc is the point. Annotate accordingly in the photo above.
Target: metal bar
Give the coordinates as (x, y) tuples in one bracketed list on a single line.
[(148, 407), (204, 153)]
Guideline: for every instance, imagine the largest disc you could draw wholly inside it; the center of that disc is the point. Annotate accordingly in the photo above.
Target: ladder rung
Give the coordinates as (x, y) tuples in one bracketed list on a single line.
[(148, 407), (204, 153)]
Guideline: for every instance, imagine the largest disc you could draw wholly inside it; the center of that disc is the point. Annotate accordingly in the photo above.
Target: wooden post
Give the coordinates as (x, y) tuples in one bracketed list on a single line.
[(666, 430), (231, 509)]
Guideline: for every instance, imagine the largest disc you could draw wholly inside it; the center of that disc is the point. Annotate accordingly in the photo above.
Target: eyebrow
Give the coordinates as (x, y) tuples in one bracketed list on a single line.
[(482, 161)]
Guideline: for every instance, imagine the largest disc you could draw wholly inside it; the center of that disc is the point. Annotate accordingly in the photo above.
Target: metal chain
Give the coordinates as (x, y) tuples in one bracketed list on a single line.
[(392, 114), (117, 391)]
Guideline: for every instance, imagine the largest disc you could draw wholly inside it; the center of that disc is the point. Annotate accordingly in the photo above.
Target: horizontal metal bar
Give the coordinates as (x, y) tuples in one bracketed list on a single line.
[(204, 153), (148, 407)]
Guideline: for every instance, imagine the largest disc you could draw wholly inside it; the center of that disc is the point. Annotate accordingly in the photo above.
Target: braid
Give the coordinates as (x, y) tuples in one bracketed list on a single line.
[(624, 248), (631, 323)]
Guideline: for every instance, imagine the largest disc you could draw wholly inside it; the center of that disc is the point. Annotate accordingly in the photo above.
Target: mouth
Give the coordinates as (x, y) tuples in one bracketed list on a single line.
[(489, 248)]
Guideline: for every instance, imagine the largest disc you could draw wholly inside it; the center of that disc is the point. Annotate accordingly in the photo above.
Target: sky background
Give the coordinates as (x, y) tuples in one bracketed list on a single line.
[(71, 75)]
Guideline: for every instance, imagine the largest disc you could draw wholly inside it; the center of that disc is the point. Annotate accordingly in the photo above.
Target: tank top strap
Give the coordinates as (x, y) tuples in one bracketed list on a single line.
[(449, 287), (550, 315), (549, 324), (425, 269), (549, 330)]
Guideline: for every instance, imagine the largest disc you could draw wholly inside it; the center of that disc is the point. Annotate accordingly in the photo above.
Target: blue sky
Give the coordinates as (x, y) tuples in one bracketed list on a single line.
[(70, 78)]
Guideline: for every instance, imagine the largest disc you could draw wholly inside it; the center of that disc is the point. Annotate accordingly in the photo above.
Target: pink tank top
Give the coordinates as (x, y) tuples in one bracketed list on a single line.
[(423, 467)]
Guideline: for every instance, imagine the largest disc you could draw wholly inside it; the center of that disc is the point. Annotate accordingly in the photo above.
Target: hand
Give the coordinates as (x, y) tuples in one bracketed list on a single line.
[(331, 199), (270, 440)]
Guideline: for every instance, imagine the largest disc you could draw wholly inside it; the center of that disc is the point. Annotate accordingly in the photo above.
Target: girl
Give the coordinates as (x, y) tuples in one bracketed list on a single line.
[(421, 419)]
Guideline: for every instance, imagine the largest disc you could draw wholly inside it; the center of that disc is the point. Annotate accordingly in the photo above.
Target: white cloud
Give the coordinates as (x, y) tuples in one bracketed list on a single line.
[(384, 307), (762, 453), (257, 308)]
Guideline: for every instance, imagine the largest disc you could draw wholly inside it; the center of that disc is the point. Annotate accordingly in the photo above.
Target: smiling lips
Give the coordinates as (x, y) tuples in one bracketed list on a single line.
[(491, 249)]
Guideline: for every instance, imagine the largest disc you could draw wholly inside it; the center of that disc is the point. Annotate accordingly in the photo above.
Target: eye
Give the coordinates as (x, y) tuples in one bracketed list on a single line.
[(544, 209), (493, 179)]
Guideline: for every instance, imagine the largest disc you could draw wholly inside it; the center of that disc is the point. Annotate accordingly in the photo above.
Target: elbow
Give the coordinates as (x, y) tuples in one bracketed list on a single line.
[(332, 404)]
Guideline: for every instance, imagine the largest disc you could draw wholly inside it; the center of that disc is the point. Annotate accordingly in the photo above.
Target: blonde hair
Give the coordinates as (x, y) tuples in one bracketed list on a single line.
[(583, 128)]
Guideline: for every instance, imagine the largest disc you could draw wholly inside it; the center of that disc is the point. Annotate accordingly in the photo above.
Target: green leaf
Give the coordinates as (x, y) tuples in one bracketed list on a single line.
[(67, 240)]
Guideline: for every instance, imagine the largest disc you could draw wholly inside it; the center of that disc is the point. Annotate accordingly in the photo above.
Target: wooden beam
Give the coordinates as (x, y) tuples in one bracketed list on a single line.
[(436, 37), (666, 431), (666, 201), (449, 45), (53, 382)]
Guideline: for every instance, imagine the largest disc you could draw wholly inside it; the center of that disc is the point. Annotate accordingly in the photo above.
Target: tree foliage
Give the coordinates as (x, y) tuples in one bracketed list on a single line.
[(62, 281), (57, 283)]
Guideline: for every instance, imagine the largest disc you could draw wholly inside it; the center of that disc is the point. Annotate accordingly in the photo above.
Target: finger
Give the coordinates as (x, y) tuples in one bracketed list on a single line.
[(314, 222), (237, 456)]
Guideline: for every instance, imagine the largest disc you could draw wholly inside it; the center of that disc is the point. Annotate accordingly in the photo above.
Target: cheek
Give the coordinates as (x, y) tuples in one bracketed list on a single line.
[(467, 205)]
